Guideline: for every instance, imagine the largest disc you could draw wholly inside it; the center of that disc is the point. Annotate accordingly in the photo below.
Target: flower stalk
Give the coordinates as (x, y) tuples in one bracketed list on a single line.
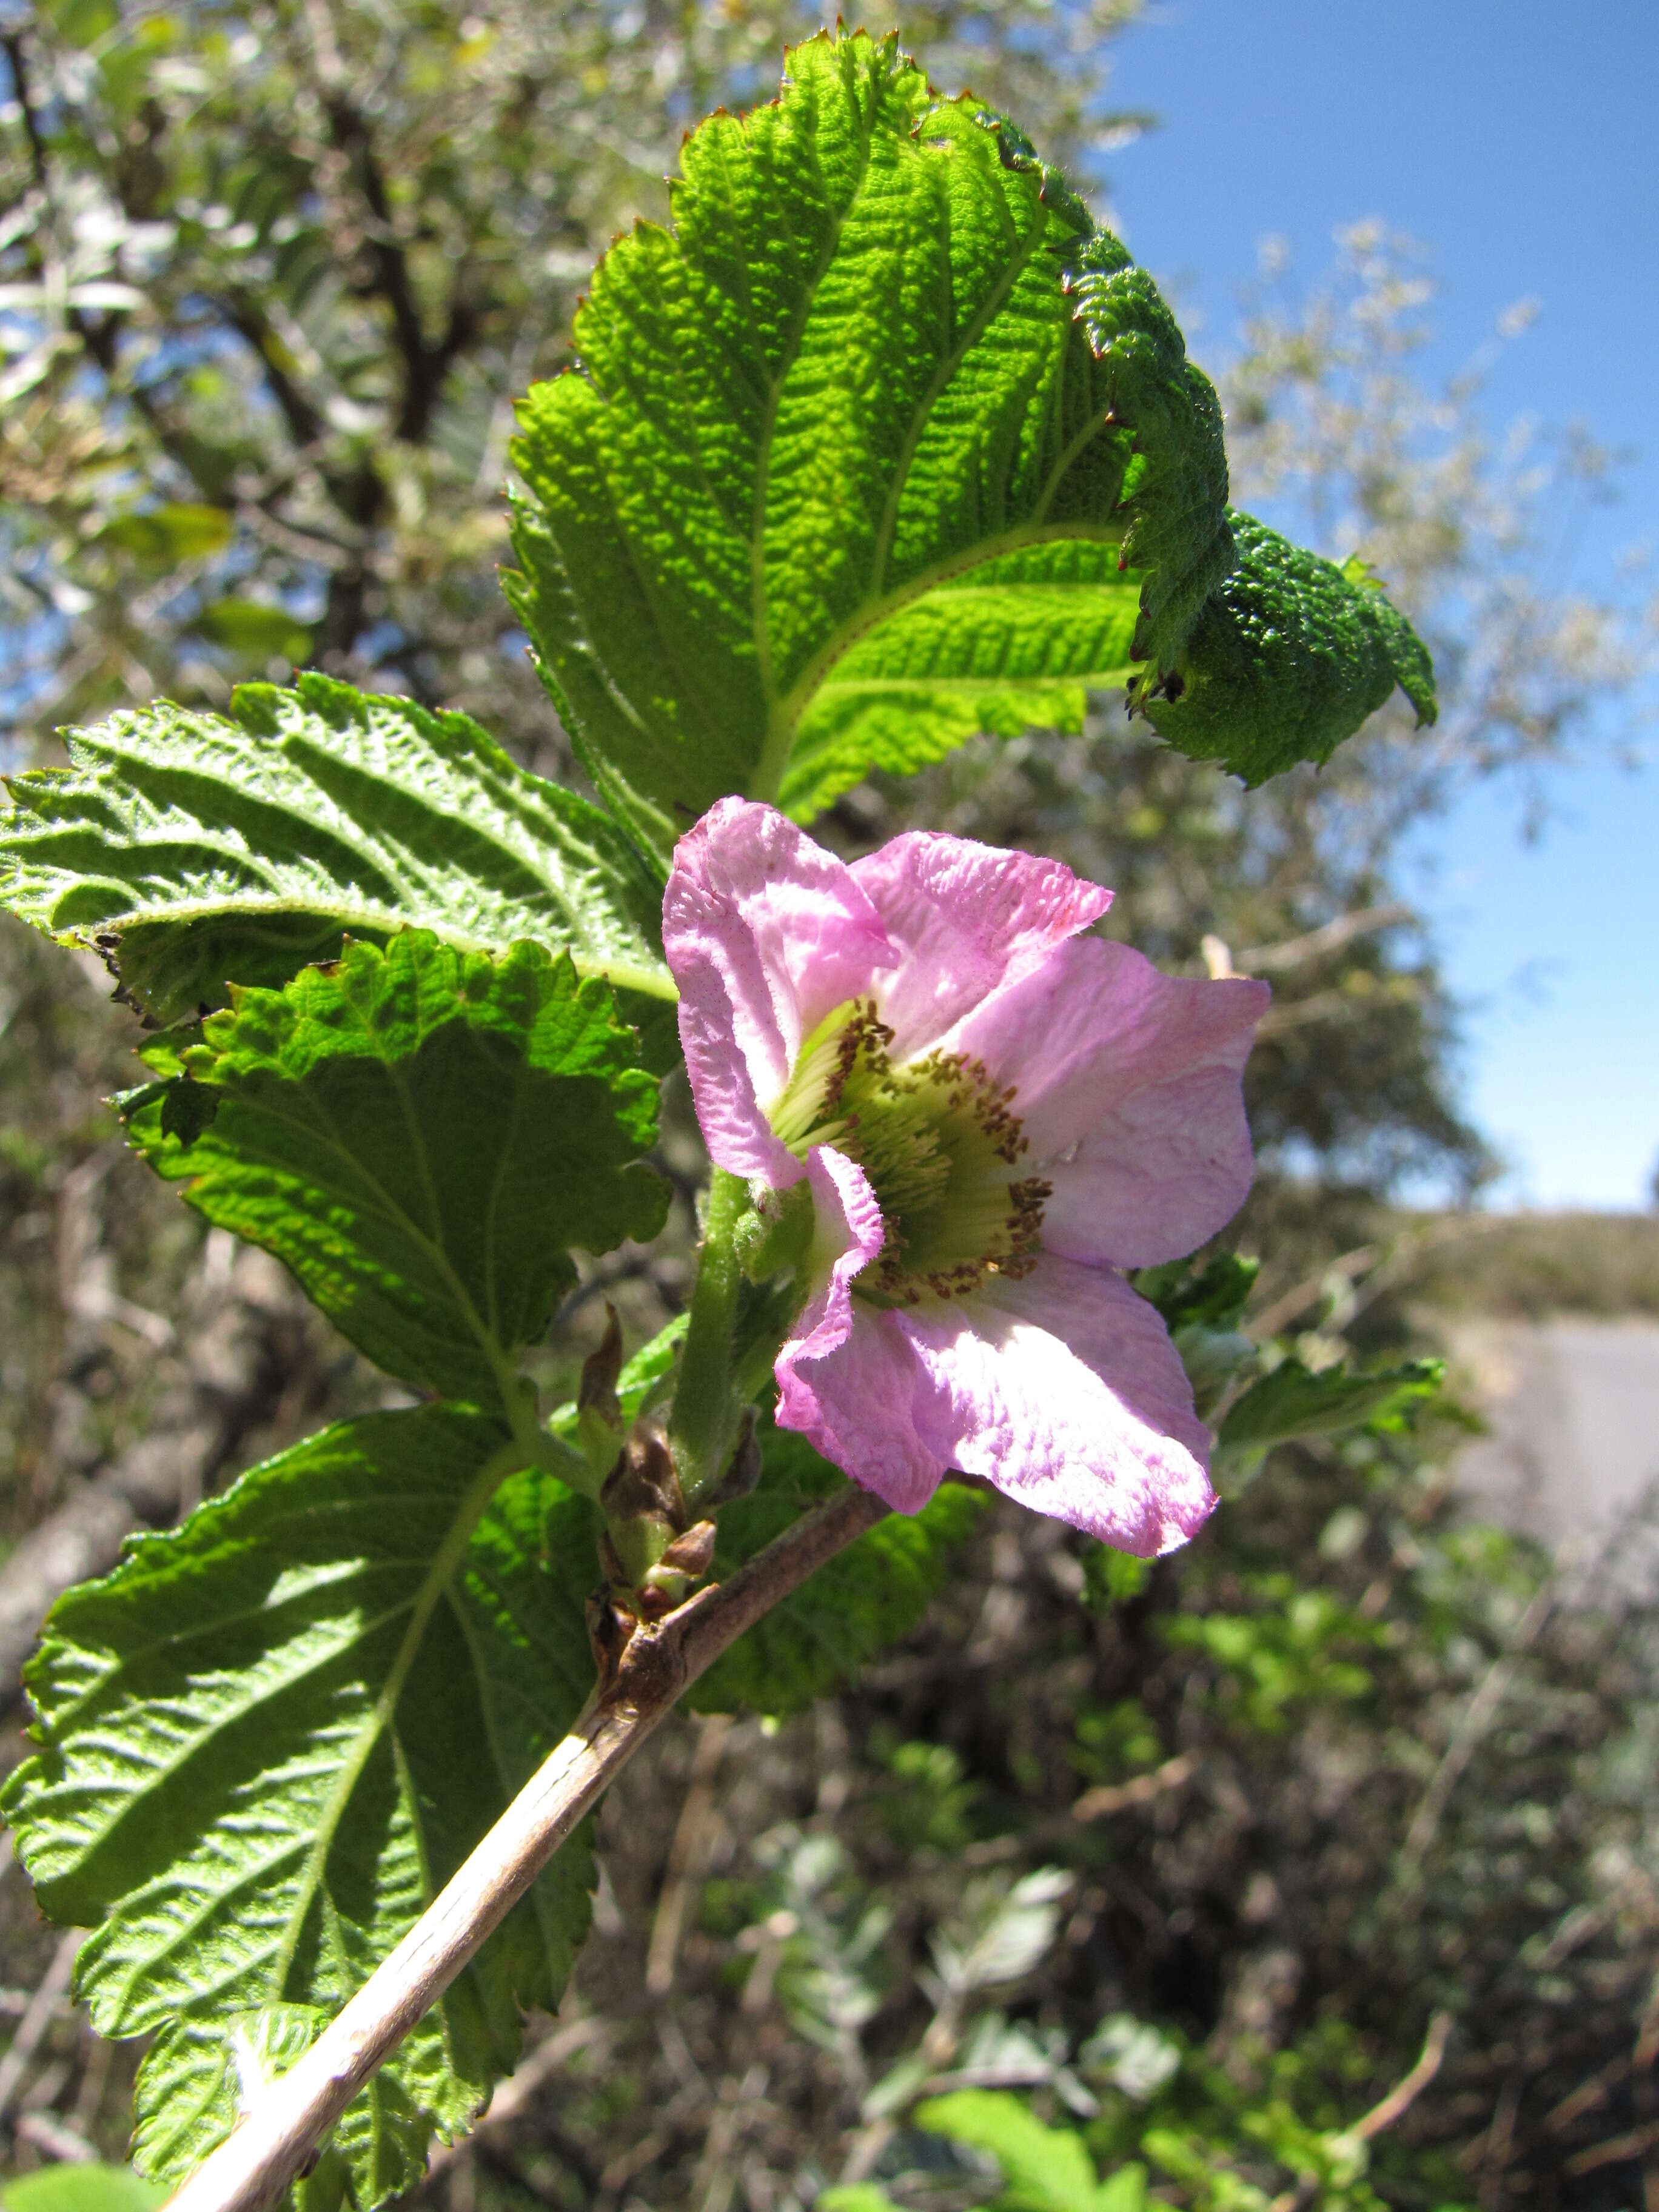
[(703, 1421)]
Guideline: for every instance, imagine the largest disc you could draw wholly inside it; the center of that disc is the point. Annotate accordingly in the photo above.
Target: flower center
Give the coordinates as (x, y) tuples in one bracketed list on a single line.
[(936, 1137)]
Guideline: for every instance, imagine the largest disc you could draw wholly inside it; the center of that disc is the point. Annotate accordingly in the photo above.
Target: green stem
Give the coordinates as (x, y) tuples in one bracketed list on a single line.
[(703, 1422)]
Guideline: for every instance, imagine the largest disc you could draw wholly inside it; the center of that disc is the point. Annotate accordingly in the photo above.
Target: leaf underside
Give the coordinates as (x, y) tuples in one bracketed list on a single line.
[(419, 1134), (195, 850), (268, 1739), (881, 444)]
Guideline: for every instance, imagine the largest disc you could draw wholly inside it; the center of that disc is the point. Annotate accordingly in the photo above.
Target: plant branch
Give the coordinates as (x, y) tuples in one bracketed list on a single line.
[(1319, 944), (1478, 1717), (242, 311), (1117, 1797), (1392, 2108), (273, 2141), (12, 46), (1406, 2091)]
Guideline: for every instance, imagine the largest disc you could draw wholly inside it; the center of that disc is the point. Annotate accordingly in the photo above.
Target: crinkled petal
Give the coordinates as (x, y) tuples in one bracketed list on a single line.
[(969, 920), (1064, 1390), (766, 933), (1128, 1085), (844, 1380)]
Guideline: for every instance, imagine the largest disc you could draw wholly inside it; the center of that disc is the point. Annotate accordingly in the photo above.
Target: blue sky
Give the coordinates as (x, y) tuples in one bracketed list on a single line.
[(1514, 140)]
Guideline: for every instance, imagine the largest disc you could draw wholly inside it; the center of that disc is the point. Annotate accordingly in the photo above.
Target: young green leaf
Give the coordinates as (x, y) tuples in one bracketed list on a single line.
[(853, 1608), (882, 443), (420, 1134), (82, 2189), (1213, 1296), (195, 850), (268, 1739), (1287, 659), (1043, 2169), (1294, 1400)]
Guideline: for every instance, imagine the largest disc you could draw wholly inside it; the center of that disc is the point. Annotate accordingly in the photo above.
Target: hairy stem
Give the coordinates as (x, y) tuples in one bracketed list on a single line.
[(274, 2141), (702, 1426)]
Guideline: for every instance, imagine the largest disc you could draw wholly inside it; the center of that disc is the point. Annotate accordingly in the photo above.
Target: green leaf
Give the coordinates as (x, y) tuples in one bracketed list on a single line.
[(163, 537), (1213, 1296), (247, 626), (1287, 659), (1294, 1400), (268, 1738), (1017, 645), (858, 2197), (419, 1134), (194, 850), (201, 2074), (883, 444), (1124, 2191), (880, 352), (1202, 1308), (853, 1608), (1043, 2169), (82, 2189), (1112, 1577)]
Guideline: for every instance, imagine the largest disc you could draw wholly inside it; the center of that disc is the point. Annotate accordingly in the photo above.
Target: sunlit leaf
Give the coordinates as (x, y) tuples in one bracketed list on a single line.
[(195, 850), (858, 457), (1295, 1401), (82, 2189), (421, 1134), (268, 1738), (177, 531), (246, 626)]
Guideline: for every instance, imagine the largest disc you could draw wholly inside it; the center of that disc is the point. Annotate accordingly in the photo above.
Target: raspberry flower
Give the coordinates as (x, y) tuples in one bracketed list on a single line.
[(994, 1115)]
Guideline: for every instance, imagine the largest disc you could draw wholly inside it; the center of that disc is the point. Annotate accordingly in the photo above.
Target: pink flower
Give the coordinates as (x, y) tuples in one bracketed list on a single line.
[(995, 1115)]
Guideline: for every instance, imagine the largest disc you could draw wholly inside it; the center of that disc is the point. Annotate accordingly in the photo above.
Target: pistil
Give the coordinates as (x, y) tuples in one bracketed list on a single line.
[(936, 1136)]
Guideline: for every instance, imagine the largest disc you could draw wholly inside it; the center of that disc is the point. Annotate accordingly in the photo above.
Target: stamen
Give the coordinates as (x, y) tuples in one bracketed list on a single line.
[(935, 1137)]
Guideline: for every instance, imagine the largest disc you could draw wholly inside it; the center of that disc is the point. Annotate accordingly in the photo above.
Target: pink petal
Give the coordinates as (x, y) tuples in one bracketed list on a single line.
[(1127, 1084), (873, 1371), (1063, 1390), (766, 933), (968, 920)]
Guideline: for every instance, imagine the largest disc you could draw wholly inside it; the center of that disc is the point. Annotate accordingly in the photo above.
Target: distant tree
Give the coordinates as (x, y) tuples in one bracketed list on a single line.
[(271, 280)]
